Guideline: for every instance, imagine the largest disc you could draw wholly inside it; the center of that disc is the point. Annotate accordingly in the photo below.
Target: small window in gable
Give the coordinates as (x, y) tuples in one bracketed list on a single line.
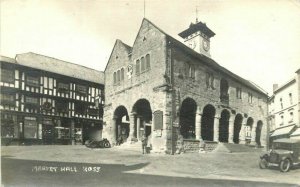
[(118, 76), (115, 77), (142, 64), (122, 74), (147, 61), (137, 67)]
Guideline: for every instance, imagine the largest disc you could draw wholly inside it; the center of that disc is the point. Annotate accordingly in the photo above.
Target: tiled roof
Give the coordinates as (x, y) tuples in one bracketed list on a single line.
[(210, 62), (57, 66)]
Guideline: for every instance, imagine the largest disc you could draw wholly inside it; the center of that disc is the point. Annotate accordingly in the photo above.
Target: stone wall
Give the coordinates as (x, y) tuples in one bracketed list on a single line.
[(196, 88)]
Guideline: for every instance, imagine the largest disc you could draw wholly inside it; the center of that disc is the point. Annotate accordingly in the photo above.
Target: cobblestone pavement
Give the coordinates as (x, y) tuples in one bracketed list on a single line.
[(230, 166)]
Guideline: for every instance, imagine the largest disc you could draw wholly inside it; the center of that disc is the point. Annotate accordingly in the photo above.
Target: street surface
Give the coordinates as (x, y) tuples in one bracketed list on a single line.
[(80, 166)]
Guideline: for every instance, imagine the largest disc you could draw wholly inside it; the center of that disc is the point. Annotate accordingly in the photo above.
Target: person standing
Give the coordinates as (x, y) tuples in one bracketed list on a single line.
[(144, 143)]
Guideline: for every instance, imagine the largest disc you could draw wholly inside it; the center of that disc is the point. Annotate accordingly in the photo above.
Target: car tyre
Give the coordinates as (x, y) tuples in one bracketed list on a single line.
[(263, 163), (107, 145), (285, 165)]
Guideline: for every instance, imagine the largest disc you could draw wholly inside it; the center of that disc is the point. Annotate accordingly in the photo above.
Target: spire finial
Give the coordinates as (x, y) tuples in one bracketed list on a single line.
[(196, 14), (144, 8)]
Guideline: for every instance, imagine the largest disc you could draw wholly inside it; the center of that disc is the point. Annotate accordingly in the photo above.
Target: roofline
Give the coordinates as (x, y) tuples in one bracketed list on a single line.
[(57, 60), (221, 68), (281, 87), (7, 59), (117, 40)]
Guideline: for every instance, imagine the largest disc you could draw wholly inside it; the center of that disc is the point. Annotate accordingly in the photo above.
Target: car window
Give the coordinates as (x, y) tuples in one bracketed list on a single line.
[(284, 146)]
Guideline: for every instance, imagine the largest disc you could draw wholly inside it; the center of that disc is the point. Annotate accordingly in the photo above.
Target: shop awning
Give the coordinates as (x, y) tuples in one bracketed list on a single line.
[(283, 131), (296, 133)]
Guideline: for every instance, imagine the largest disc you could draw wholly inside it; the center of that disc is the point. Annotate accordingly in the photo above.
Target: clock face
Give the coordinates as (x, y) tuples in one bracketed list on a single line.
[(205, 44), (192, 44)]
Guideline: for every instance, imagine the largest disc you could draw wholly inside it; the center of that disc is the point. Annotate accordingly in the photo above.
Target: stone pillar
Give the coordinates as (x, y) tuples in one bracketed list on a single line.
[(231, 129), (72, 132), (253, 134), (242, 135), (138, 126), (198, 125), (216, 128), (131, 126), (113, 129)]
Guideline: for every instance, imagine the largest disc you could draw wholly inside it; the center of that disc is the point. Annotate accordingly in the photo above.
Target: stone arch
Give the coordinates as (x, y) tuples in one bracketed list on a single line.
[(121, 123), (258, 132), (237, 128), (224, 126), (207, 122), (248, 129), (143, 121), (187, 118)]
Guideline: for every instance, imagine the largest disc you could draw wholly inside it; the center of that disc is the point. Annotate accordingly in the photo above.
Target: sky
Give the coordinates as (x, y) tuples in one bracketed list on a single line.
[(257, 40)]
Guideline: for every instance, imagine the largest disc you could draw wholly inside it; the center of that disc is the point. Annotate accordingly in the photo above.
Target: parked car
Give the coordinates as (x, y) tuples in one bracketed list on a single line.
[(99, 144), (284, 153)]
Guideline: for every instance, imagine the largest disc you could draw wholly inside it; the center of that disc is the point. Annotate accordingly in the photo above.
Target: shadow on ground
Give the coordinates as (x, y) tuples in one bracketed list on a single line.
[(17, 172)]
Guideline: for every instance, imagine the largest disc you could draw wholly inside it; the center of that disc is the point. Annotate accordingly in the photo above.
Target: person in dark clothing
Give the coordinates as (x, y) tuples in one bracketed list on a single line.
[(144, 144)]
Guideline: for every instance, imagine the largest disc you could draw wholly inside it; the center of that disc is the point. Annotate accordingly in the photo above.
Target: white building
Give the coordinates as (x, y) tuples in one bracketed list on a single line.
[(284, 109)]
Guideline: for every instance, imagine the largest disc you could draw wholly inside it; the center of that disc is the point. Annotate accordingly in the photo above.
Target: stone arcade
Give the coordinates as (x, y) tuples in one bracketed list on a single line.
[(174, 92)]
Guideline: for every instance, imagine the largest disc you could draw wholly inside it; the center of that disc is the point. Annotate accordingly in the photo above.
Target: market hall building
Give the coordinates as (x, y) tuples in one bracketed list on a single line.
[(178, 96), (49, 101)]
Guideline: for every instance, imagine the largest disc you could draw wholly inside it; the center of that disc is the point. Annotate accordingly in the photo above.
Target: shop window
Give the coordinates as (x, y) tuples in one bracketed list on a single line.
[(7, 99), (137, 71), (32, 81), (81, 89), (7, 75), (9, 126), (30, 127), (63, 87)]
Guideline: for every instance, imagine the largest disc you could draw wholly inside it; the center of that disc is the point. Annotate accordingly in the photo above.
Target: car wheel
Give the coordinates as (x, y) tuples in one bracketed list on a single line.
[(263, 163), (107, 145), (285, 165)]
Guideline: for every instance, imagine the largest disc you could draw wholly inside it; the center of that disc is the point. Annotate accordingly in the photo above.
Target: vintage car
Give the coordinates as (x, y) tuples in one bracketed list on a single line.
[(284, 153)]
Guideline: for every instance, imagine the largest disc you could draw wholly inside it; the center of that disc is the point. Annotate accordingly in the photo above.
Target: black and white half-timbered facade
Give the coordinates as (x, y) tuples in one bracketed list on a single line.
[(49, 101)]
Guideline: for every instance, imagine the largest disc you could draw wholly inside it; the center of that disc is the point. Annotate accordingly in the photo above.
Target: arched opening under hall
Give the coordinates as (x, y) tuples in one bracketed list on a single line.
[(224, 126), (187, 118), (237, 128), (122, 124), (248, 130), (143, 120), (207, 123), (258, 132)]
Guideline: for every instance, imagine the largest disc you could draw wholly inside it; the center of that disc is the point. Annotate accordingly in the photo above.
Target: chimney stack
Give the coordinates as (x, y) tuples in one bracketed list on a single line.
[(275, 87)]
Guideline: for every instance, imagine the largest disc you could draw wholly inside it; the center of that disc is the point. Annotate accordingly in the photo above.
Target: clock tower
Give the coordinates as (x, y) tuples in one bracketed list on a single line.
[(197, 37)]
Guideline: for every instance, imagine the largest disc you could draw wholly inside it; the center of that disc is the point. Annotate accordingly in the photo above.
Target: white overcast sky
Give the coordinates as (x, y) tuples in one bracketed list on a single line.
[(258, 40)]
